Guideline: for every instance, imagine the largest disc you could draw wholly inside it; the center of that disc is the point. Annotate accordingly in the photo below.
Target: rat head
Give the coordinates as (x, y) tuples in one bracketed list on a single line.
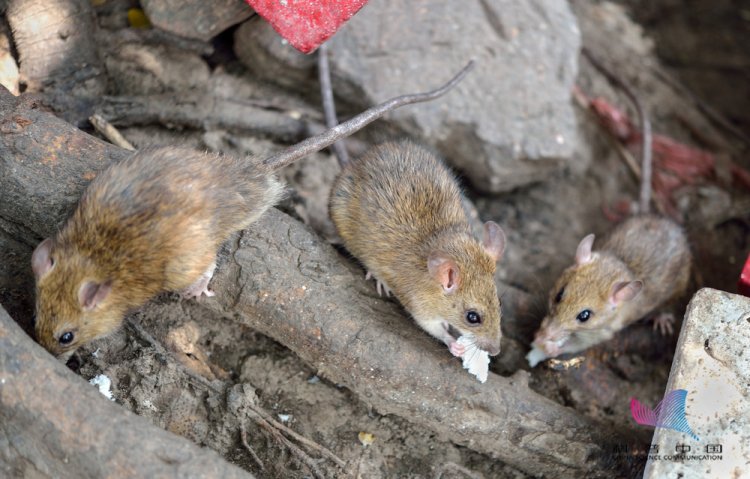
[(71, 303), (463, 296), (586, 303)]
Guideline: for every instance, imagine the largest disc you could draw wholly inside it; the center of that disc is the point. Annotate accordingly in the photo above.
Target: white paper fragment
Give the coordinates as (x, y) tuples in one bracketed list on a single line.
[(535, 356), (104, 384), (476, 360)]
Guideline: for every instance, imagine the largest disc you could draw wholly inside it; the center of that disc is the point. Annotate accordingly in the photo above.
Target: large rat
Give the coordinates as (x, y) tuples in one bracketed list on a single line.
[(643, 264), (154, 222), (398, 210)]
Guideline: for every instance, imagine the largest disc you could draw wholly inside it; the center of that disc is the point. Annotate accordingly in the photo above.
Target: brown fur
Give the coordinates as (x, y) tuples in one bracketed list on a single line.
[(647, 248), (151, 223), (393, 208)]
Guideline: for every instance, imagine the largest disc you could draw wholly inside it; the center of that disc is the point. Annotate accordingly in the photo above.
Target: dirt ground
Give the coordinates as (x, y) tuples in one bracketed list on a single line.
[(570, 203)]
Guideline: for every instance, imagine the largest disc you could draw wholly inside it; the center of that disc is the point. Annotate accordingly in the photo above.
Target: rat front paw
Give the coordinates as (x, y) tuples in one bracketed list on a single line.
[(456, 348), (200, 287), (664, 322), (197, 289), (379, 285)]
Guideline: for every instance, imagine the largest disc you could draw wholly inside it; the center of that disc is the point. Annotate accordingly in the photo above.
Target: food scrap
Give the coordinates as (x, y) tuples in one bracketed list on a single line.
[(476, 360), (104, 384)]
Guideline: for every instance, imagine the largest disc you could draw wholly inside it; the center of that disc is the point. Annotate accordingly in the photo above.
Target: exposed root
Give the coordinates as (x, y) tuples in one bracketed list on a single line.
[(243, 438)]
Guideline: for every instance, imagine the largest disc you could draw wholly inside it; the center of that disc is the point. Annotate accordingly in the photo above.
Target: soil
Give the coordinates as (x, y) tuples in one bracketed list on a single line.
[(570, 203)]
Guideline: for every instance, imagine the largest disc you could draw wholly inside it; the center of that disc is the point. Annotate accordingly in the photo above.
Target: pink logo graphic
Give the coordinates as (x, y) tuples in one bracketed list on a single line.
[(669, 413)]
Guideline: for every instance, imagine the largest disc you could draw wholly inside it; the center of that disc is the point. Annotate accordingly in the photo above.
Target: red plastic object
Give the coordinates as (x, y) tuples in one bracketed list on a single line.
[(306, 24), (743, 285)]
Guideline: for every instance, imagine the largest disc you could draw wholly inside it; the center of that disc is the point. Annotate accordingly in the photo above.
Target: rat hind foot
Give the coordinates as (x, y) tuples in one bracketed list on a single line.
[(200, 287), (664, 322), (379, 285)]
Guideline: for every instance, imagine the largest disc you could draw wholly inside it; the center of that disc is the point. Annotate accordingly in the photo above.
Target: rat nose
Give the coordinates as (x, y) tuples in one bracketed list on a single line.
[(548, 334), (550, 340)]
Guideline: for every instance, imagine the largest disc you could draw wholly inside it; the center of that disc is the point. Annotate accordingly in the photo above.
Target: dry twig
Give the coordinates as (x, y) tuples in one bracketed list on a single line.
[(110, 132), (243, 438), (301, 455), (329, 107)]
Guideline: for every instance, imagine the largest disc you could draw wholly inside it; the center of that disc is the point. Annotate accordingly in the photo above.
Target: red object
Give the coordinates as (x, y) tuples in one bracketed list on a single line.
[(743, 285), (306, 24), (675, 164)]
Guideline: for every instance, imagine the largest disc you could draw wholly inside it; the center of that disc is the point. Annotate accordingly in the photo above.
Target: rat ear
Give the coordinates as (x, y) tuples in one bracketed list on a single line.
[(41, 259), (90, 294), (445, 270), (625, 291), (493, 240), (583, 253)]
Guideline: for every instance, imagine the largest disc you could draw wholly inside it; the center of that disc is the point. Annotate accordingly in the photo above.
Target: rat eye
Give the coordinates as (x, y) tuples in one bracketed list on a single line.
[(473, 318), (559, 296), (66, 338), (584, 315)]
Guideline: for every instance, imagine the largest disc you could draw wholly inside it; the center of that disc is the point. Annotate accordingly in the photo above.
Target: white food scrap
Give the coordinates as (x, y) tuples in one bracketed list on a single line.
[(104, 384), (476, 360), (535, 356)]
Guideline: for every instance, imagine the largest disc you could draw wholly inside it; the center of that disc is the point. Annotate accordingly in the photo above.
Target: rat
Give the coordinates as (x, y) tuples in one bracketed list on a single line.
[(153, 223), (398, 210), (644, 264)]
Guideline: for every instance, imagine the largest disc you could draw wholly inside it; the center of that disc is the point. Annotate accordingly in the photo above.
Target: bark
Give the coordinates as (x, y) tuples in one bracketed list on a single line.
[(202, 111), (55, 43), (281, 279)]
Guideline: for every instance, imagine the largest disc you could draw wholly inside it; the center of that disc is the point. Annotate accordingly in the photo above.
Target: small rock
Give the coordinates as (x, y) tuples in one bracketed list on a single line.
[(270, 57), (196, 18)]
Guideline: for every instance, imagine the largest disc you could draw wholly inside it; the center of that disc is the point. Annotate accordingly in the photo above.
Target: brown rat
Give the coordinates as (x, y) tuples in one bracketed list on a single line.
[(398, 210), (644, 264), (148, 224), (154, 223)]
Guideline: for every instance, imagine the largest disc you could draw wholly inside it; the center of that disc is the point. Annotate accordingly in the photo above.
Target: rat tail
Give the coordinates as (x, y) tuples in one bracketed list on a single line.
[(644, 202), (331, 135)]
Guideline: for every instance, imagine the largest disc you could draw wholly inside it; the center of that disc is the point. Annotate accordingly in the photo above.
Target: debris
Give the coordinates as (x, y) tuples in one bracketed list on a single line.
[(137, 18), (104, 384), (366, 438)]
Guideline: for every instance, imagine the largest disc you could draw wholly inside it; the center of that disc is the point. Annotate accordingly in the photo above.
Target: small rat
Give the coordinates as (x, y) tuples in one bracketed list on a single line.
[(644, 264), (398, 210), (154, 222)]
